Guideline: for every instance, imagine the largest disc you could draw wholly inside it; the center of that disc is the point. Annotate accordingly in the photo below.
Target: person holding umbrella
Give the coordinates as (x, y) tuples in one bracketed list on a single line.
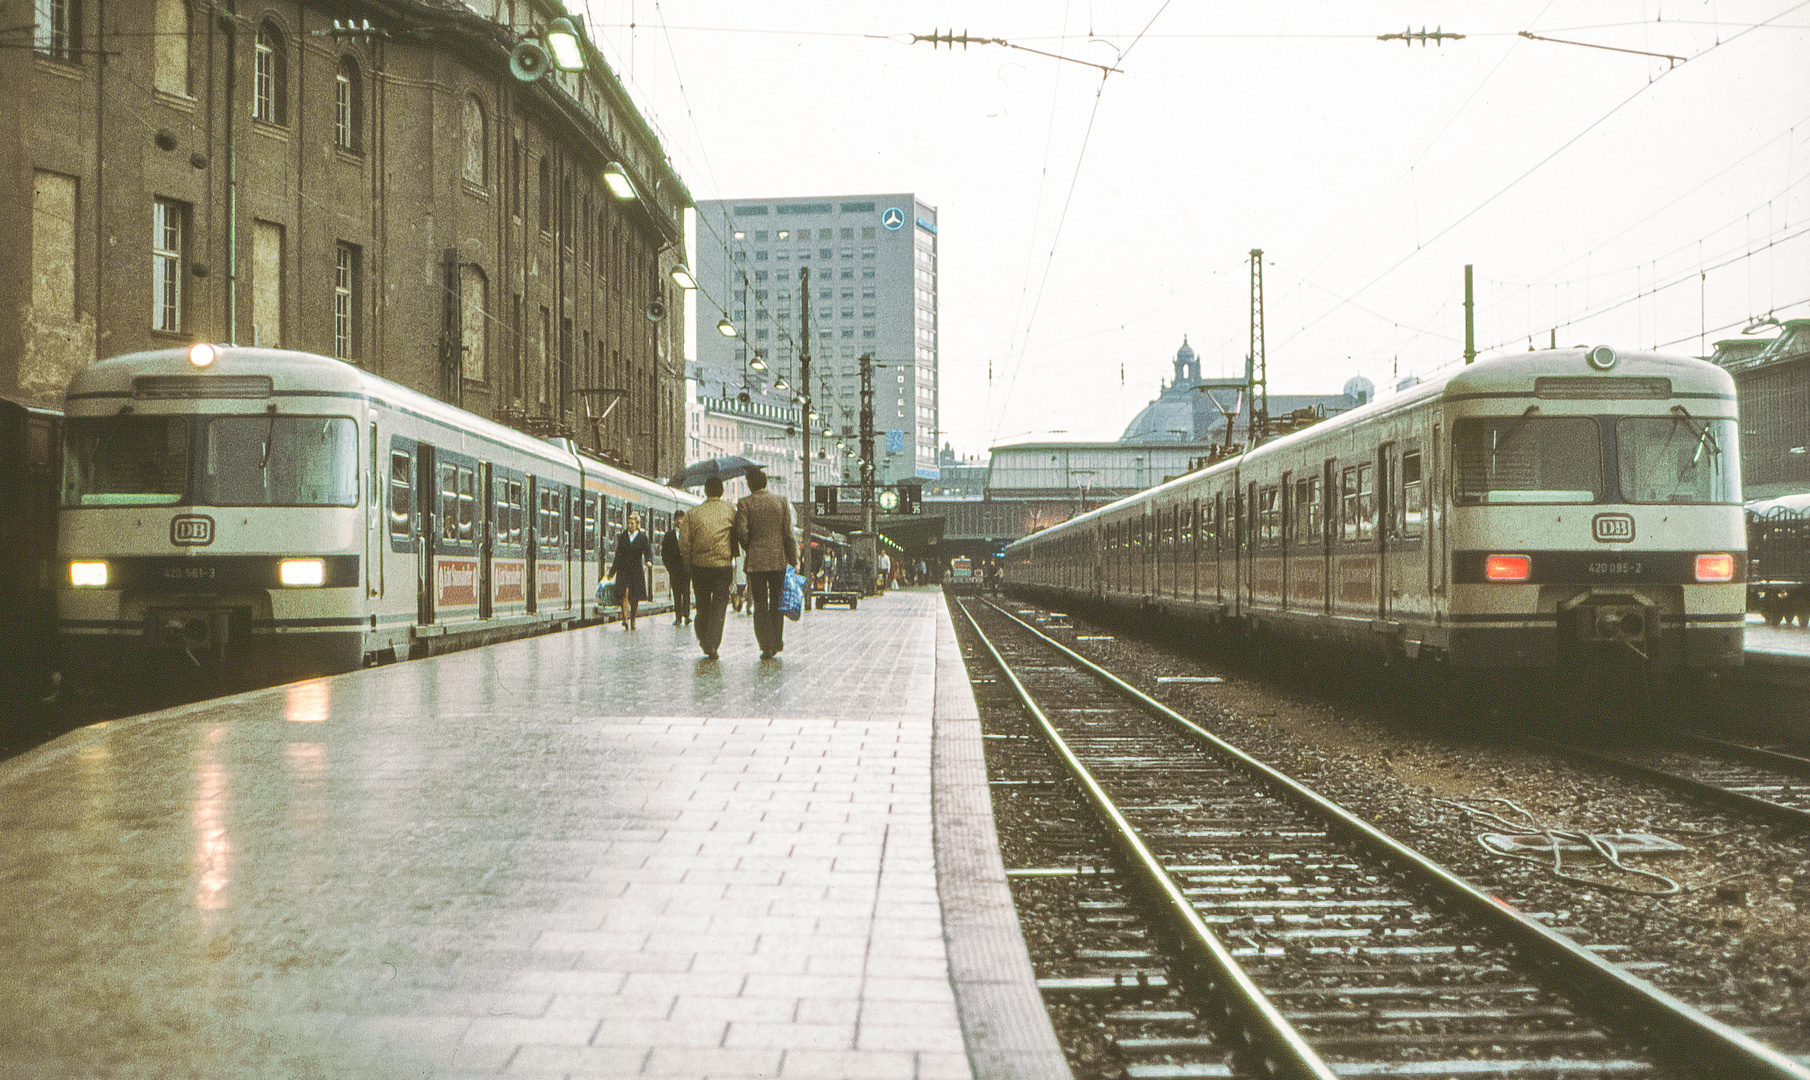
[(707, 540)]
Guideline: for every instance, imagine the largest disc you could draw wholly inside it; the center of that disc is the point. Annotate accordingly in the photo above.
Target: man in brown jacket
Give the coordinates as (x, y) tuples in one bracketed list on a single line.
[(707, 539), (763, 527)]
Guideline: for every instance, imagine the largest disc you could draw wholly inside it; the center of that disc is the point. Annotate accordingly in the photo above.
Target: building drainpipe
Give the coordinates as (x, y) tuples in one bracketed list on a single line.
[(229, 23)]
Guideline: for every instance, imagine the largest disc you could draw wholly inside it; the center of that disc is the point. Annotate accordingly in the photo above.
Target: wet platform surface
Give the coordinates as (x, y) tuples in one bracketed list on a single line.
[(587, 854)]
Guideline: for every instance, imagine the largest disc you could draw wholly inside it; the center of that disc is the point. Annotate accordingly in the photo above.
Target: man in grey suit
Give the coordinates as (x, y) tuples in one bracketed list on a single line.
[(763, 529)]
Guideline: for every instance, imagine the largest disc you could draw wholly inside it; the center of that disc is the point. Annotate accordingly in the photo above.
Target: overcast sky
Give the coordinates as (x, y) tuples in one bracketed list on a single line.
[(1088, 220)]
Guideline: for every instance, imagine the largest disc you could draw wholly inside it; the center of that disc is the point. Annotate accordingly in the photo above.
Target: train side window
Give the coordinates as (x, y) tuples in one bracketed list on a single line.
[(1411, 494), (1348, 504), (1366, 502), (402, 498), (590, 523), (1307, 510), (468, 503), (449, 502), (1269, 516), (515, 511)]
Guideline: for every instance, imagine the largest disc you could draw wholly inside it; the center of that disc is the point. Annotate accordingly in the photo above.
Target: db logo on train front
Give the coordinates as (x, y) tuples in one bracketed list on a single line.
[(191, 530), (1612, 528)]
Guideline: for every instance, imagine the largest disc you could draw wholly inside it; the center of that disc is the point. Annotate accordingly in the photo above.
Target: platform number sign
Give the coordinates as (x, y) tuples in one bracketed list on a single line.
[(1612, 528)]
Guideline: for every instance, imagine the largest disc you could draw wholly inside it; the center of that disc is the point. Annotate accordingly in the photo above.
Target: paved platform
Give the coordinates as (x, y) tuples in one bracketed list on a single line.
[(589, 854)]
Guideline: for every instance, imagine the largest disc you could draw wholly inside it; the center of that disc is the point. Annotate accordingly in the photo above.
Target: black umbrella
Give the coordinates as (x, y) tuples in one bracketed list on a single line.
[(726, 467)]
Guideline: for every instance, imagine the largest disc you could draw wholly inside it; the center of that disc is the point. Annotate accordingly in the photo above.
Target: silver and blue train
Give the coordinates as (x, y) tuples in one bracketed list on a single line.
[(1529, 512), (262, 515)]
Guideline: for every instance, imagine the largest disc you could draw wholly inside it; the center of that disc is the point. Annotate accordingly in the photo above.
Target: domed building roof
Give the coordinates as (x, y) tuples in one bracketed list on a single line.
[(1167, 419), (1177, 415)]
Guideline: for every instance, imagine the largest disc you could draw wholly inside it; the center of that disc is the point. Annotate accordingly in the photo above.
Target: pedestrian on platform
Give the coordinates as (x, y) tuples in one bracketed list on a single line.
[(632, 567), (707, 540), (885, 570), (673, 557), (763, 527)]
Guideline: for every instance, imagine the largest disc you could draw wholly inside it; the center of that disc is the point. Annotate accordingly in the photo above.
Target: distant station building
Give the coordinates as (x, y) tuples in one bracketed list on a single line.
[(1029, 486), (375, 180), (1772, 389), (1187, 411), (872, 262)]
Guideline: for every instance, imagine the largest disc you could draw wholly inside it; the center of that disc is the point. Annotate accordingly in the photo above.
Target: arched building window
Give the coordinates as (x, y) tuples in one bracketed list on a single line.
[(174, 27), (348, 106), (477, 142), (546, 195), (270, 76), (474, 323)]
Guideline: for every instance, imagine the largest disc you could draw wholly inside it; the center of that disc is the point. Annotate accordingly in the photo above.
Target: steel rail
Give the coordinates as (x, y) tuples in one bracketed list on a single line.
[(1285, 1051), (1779, 812), (1663, 1018), (1778, 759)]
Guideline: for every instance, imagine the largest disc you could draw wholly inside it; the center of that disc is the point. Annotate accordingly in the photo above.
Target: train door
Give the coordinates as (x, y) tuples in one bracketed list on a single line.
[(1436, 516), (1385, 527), (1247, 532), (1286, 531), (1219, 528), (486, 537), (532, 526), (1329, 530), (1191, 551), (568, 497), (374, 531), (427, 505)]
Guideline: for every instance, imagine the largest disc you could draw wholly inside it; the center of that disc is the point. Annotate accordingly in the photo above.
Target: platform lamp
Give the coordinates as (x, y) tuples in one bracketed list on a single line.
[(616, 179), (563, 43)]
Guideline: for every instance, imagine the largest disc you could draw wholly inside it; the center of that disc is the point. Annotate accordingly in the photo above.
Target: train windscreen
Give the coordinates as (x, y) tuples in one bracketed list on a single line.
[(280, 461), (125, 460), (1678, 459), (1526, 459)]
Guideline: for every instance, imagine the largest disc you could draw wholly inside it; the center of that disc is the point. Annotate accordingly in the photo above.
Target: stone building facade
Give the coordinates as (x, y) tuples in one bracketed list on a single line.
[(366, 179)]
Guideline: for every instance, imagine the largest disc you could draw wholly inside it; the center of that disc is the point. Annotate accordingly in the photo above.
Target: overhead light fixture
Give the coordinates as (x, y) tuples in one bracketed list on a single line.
[(758, 364), (725, 327), (781, 384), (562, 42), (682, 274), (814, 416), (617, 181)]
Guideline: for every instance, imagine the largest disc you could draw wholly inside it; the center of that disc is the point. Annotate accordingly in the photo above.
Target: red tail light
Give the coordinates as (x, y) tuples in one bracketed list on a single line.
[(1508, 567), (1715, 567)]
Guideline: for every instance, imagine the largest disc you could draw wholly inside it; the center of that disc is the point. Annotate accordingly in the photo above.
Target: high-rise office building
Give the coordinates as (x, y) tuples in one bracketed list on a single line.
[(872, 291)]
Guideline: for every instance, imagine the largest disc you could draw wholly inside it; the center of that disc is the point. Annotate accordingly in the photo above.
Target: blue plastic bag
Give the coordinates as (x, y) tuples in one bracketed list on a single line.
[(791, 594)]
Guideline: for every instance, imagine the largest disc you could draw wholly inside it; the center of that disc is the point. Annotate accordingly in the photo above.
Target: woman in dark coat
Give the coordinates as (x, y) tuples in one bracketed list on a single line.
[(632, 568)]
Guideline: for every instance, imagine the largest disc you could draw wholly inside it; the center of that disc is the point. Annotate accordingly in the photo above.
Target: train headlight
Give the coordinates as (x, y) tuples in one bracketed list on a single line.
[(1720, 567), (1602, 358), (201, 354), (1508, 568), (301, 572), (88, 574)]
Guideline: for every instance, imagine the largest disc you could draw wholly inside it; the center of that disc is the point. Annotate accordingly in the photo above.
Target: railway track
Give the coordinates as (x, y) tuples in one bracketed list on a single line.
[(1254, 928), (1768, 783)]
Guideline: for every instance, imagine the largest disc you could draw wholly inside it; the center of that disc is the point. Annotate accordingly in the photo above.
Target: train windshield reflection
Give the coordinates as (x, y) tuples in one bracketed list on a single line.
[(280, 461), (258, 460), (1526, 459), (1678, 459), (125, 460)]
